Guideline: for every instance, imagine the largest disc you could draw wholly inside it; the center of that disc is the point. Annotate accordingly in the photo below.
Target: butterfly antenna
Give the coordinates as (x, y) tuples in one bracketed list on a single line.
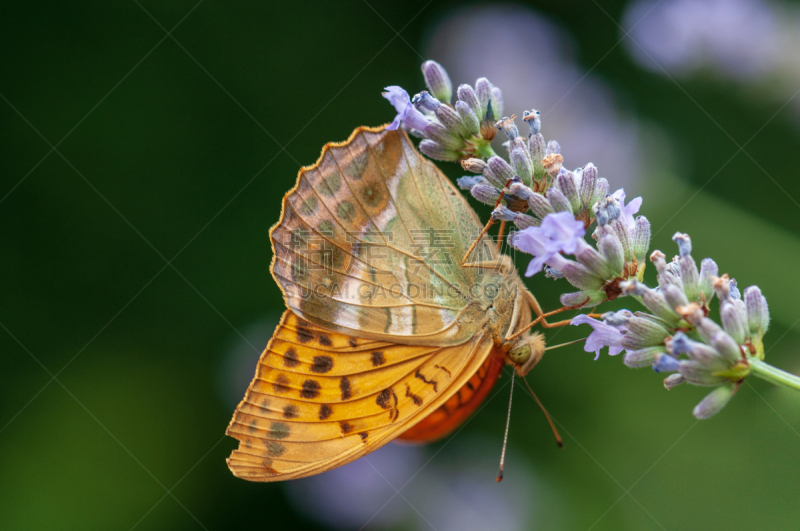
[(565, 344), (505, 437), (559, 440)]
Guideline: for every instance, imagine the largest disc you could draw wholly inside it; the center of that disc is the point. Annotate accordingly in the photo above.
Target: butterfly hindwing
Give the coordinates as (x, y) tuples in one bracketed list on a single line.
[(460, 406), (320, 399), (370, 243)]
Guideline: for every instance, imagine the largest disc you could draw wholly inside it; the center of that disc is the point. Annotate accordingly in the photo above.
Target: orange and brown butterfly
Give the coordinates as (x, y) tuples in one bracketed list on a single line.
[(389, 334)]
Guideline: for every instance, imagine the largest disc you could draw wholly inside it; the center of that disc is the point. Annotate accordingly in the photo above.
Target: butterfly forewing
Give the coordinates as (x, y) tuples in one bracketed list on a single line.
[(370, 244)]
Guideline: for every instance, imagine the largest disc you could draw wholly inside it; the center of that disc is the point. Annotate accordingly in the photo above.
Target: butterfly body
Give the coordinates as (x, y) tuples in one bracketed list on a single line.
[(387, 335)]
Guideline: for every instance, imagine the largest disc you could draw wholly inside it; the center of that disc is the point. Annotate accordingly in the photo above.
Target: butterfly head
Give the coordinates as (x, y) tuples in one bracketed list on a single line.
[(526, 353)]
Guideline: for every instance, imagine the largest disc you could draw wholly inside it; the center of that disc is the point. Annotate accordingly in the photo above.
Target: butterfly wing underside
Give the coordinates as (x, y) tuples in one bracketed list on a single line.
[(320, 399), (370, 243)]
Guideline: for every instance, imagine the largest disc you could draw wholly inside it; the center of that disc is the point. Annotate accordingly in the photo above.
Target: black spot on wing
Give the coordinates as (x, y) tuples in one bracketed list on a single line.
[(281, 384), (290, 358), (384, 399), (378, 359), (346, 427), (324, 340), (325, 411), (290, 412), (304, 334), (344, 387), (278, 430), (432, 382), (310, 389), (416, 399), (322, 364)]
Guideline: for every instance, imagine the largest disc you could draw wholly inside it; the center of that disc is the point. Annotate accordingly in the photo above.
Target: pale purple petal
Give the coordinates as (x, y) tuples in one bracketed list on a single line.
[(564, 230), (629, 210), (604, 335), (559, 232), (398, 97), (406, 112), (666, 363)]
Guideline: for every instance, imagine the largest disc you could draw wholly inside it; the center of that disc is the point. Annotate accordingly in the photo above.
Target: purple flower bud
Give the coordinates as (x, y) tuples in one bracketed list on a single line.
[(722, 286), (684, 243), (726, 346), (735, 294), (443, 136), (425, 101), (566, 184), (612, 249), (520, 190), (467, 94), (580, 276), (714, 401), (665, 363), (690, 278), (522, 164), (474, 165), (732, 321), (534, 119), (657, 303), (757, 310), (497, 101), (638, 359), (469, 119), (641, 238), (586, 299), (588, 183), (523, 221), (698, 374), (507, 126), (468, 181), (451, 120), (595, 262), (436, 151), (708, 270), (537, 148), (483, 89), (659, 261), (673, 380), (701, 353), (553, 147), (674, 295), (437, 80), (600, 191), (617, 319), (498, 171), (539, 205), (558, 201), (485, 193), (643, 332), (624, 238), (503, 213)]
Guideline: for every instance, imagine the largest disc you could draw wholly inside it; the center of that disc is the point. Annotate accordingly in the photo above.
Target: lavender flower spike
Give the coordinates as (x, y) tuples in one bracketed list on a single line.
[(406, 112), (604, 335)]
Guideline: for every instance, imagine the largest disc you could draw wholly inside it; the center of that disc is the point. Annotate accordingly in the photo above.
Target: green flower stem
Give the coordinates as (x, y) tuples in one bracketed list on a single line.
[(767, 372), (484, 150)]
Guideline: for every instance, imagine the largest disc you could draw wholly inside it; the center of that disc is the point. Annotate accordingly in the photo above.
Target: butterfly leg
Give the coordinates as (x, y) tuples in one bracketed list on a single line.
[(486, 228), (541, 316), (500, 235)]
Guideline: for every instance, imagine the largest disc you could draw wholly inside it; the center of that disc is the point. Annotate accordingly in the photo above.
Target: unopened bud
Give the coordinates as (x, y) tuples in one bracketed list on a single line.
[(437, 80)]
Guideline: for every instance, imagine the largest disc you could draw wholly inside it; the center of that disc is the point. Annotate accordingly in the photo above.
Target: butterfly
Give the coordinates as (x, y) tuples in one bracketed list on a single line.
[(388, 334)]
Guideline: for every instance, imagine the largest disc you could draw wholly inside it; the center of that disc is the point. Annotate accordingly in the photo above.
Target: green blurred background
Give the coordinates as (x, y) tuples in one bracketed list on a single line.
[(135, 265)]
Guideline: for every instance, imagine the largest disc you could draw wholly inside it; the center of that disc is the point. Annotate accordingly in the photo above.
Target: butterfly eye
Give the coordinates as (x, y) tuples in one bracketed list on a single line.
[(520, 354)]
